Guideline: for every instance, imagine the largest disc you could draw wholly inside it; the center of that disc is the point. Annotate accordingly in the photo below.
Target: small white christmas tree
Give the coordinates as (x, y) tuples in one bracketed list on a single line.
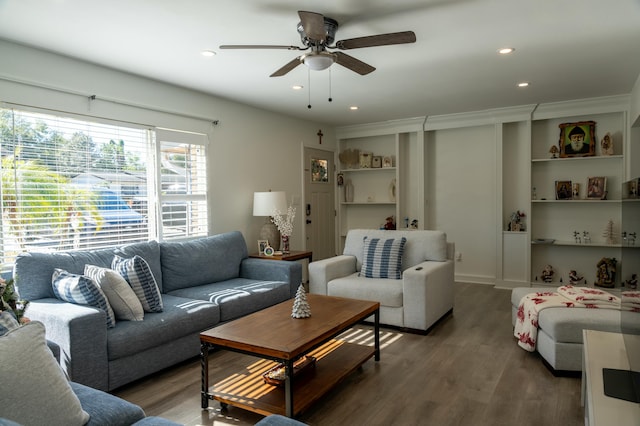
[(608, 232), (301, 308)]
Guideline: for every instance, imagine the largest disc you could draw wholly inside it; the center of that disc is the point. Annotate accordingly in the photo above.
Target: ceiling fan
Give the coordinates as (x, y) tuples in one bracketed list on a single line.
[(317, 32)]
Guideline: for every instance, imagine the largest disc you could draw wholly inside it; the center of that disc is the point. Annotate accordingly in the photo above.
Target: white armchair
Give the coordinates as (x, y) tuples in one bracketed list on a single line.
[(421, 297)]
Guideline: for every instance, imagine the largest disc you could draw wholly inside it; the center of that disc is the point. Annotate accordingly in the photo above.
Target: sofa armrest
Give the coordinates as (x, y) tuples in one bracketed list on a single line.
[(427, 293), (81, 333), (273, 270), (325, 270)]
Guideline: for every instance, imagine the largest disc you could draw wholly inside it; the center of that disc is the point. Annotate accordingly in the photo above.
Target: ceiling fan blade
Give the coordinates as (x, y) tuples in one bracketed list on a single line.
[(377, 40), (288, 67), (260, 46), (313, 24), (353, 64)]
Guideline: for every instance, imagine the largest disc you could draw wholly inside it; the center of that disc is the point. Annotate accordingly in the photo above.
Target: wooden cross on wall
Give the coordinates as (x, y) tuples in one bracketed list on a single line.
[(320, 135)]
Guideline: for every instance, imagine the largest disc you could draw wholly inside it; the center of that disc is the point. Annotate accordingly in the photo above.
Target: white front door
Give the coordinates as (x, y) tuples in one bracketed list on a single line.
[(318, 207)]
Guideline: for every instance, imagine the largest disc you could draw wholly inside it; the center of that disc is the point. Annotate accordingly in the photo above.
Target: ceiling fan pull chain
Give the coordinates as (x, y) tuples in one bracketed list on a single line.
[(309, 86), (330, 98)]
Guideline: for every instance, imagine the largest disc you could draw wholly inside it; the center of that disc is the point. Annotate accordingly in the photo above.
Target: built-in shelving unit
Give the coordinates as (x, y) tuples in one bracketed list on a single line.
[(566, 221), (378, 192)]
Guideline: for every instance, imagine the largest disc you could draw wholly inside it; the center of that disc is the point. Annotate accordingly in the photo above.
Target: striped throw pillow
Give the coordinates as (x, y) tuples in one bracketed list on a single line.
[(81, 290), (382, 258), (139, 276)]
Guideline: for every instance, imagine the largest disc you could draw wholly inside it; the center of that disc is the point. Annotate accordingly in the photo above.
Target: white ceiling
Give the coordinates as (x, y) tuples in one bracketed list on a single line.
[(566, 49)]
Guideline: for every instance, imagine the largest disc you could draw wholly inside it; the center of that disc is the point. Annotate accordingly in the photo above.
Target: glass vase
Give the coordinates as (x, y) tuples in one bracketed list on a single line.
[(285, 244)]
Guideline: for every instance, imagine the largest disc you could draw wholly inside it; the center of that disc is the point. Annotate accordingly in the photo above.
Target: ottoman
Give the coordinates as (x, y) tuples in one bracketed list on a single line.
[(560, 329)]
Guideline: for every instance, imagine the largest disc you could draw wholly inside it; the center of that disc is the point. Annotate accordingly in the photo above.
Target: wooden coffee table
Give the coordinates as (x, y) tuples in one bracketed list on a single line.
[(273, 334)]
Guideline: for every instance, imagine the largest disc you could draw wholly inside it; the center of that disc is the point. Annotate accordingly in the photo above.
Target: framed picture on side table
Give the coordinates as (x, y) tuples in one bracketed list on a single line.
[(597, 188), (261, 245)]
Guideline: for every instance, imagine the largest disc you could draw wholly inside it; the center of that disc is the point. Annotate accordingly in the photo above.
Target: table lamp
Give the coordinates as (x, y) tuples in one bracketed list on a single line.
[(264, 204)]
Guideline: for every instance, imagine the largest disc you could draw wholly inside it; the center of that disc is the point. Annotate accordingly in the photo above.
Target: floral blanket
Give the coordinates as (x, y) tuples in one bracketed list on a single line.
[(526, 328)]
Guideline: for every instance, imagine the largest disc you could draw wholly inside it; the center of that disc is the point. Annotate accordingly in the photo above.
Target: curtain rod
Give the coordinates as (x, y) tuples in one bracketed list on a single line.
[(94, 97)]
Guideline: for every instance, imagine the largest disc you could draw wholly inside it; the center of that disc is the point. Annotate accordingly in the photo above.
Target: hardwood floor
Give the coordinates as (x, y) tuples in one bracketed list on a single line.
[(467, 371)]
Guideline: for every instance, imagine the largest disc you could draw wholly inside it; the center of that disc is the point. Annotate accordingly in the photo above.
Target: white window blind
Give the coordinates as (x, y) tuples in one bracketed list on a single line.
[(183, 181), (68, 183)]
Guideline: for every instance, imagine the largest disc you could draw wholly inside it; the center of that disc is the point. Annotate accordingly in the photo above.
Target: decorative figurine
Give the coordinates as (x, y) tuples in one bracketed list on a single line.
[(576, 237), (390, 223), (575, 193), (547, 274), (301, 308), (574, 278), (414, 224), (607, 145), (554, 151), (608, 232), (516, 222), (606, 272), (586, 237), (633, 282)]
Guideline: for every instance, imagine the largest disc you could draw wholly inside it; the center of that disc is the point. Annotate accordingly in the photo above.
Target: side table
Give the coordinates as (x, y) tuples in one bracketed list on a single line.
[(292, 256)]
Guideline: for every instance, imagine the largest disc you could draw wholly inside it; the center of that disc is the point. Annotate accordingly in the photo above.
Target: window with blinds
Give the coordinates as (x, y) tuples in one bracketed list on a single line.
[(68, 183)]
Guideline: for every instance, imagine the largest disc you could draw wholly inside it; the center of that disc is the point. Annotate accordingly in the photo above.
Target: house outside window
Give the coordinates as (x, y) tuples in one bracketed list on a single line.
[(77, 183)]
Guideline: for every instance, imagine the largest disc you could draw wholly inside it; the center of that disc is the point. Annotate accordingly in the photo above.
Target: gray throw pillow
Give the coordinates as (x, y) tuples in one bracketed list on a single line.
[(122, 299), (34, 389)]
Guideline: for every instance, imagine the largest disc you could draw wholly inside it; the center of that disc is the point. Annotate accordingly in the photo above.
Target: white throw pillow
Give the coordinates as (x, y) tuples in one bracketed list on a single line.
[(122, 299), (34, 389)]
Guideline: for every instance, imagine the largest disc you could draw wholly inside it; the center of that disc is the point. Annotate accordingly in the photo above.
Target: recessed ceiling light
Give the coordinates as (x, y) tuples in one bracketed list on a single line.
[(353, 108), (523, 84), (506, 50), (208, 53), (297, 87)]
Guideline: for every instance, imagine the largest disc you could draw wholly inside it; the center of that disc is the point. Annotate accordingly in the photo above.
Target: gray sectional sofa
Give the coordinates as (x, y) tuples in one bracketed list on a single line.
[(202, 282)]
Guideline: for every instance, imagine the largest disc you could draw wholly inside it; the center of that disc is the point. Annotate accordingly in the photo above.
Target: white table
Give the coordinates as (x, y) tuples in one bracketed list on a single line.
[(605, 350)]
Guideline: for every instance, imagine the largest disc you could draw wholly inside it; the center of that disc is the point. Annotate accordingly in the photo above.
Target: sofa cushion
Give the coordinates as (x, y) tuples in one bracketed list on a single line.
[(33, 270), (106, 409), (566, 324), (34, 388), (202, 260), (139, 276), (239, 296), (81, 290), (121, 296), (386, 291), (179, 318), (382, 258)]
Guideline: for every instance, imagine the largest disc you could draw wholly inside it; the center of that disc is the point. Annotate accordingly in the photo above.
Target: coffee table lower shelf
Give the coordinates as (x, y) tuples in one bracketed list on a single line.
[(247, 390)]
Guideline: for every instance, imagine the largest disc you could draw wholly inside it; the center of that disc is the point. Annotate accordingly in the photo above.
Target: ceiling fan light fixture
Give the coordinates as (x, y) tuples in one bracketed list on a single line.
[(318, 61)]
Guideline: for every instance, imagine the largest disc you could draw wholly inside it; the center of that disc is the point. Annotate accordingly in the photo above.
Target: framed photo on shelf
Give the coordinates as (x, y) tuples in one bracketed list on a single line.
[(376, 162), (262, 244), (597, 188), (365, 160), (563, 190), (387, 161), (577, 139)]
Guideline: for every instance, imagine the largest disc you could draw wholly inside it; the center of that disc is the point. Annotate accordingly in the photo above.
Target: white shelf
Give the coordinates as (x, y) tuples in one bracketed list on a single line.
[(576, 201), (574, 244), (368, 203), (595, 157), (372, 169)]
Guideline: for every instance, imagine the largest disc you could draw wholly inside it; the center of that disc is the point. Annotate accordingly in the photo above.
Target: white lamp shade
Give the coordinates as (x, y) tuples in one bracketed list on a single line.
[(265, 203)]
